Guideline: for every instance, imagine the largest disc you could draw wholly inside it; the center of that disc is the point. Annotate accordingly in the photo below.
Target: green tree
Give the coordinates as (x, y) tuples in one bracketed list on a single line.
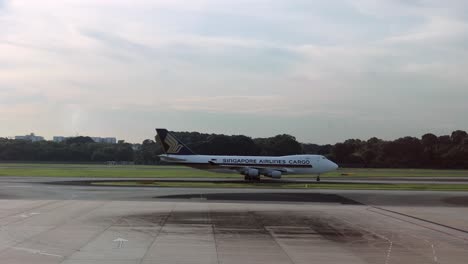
[(79, 140), (278, 145), (458, 136), (429, 142)]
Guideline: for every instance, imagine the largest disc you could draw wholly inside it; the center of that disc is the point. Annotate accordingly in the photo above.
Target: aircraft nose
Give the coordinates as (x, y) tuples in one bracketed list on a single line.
[(333, 165)]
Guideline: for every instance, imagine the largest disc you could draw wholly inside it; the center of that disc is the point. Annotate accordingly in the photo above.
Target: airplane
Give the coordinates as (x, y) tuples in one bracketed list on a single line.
[(252, 167)]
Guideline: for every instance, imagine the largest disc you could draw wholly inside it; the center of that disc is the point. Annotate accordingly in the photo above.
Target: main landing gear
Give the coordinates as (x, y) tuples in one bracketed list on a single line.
[(249, 178), (318, 177)]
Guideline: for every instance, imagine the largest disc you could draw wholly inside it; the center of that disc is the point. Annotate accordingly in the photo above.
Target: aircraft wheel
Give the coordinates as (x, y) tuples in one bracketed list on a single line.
[(247, 178), (318, 178)]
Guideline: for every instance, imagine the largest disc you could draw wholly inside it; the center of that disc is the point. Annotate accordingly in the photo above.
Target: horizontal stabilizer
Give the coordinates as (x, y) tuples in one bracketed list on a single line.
[(170, 159)]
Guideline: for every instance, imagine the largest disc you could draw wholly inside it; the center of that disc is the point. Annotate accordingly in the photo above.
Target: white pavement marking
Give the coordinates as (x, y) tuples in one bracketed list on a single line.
[(390, 242), (29, 215), (120, 241), (389, 251), (36, 251), (434, 255)]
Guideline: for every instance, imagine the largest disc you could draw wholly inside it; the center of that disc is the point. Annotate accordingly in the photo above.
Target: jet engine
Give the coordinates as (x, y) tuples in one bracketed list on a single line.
[(252, 173), (274, 174)]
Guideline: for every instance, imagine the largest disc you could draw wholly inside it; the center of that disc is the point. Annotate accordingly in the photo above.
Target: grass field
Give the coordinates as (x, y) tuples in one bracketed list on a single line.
[(78, 170), (103, 171)]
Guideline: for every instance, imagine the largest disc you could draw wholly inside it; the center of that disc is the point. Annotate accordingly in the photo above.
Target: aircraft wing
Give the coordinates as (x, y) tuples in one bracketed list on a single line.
[(241, 167)]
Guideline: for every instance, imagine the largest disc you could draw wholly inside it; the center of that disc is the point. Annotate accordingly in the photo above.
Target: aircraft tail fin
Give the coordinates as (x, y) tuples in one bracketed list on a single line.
[(170, 144)]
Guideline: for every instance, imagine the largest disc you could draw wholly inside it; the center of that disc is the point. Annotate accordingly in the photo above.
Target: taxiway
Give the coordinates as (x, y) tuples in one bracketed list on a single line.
[(41, 222)]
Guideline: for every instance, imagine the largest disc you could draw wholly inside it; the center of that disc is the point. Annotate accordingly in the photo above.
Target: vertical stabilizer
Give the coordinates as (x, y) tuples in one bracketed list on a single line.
[(170, 144)]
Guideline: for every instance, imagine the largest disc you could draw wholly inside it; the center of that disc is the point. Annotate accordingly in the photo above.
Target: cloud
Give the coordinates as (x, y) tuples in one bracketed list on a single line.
[(436, 31), (320, 64), (229, 104)]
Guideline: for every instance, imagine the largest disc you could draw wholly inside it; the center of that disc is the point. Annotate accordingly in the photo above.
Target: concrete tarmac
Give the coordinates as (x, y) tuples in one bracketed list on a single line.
[(47, 223)]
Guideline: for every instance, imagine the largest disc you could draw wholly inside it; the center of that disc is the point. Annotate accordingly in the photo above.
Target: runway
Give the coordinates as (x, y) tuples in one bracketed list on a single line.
[(49, 223)]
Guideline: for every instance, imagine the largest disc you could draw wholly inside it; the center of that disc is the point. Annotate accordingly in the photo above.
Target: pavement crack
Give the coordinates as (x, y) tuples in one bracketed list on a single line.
[(163, 223)]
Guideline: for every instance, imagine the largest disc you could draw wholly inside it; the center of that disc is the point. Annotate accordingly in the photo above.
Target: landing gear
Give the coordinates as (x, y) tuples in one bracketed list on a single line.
[(249, 178), (318, 178)]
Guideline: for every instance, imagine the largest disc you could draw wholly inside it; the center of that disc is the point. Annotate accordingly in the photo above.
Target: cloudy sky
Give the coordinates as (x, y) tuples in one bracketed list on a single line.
[(323, 71)]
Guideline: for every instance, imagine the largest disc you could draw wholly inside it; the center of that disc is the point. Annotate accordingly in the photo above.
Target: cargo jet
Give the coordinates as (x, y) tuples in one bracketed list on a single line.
[(252, 167)]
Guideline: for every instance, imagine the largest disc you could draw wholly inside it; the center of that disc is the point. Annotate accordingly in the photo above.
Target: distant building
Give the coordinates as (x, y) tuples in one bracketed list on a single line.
[(108, 140), (31, 137), (59, 139)]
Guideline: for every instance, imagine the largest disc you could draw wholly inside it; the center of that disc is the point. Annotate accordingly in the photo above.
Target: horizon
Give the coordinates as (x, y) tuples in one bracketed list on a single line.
[(321, 71), (213, 133)]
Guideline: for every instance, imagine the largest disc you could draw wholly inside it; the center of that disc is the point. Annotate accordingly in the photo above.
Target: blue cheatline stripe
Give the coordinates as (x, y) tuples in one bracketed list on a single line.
[(248, 165)]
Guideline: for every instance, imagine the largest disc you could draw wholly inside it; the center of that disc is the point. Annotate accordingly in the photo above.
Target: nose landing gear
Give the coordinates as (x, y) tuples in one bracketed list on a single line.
[(318, 178)]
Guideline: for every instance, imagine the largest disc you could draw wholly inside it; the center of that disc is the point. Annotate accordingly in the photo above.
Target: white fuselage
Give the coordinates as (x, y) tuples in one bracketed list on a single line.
[(292, 164)]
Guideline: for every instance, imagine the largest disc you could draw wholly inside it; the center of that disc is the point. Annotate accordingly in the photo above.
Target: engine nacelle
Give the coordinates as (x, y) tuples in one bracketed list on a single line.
[(274, 174), (252, 173)]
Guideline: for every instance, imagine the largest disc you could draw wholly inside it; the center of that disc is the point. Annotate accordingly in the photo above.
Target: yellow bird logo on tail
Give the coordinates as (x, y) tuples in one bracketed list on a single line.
[(174, 146)]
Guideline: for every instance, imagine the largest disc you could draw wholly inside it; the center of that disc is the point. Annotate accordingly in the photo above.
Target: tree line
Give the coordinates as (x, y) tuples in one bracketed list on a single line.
[(77, 149), (429, 151)]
